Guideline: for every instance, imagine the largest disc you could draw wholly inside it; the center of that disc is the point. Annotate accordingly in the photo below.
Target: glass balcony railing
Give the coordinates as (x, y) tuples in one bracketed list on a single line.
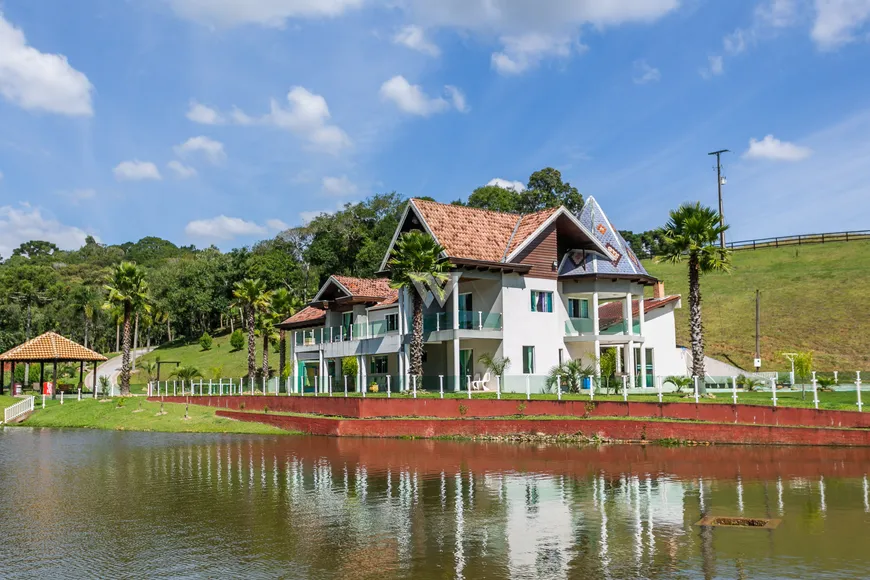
[(578, 326), (620, 328), (468, 320)]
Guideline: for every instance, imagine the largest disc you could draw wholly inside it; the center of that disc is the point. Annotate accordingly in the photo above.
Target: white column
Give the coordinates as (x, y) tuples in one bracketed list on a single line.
[(457, 379), (364, 374), (627, 315), (321, 368), (454, 307), (596, 330), (629, 363), (295, 369), (359, 372), (402, 370), (598, 358), (641, 317)]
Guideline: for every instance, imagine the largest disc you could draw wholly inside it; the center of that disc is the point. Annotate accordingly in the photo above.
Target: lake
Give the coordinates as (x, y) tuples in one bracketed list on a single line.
[(96, 504)]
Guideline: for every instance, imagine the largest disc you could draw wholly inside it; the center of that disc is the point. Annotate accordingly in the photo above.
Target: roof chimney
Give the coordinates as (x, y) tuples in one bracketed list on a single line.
[(659, 290)]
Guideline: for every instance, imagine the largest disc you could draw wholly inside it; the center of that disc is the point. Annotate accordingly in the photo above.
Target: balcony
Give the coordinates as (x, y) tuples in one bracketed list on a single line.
[(468, 320), (326, 335), (578, 326), (620, 329)]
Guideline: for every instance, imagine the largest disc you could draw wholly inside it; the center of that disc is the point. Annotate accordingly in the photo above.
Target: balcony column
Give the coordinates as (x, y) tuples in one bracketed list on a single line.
[(456, 379), (321, 369), (363, 372), (596, 329), (454, 303), (627, 318), (295, 364), (641, 317)]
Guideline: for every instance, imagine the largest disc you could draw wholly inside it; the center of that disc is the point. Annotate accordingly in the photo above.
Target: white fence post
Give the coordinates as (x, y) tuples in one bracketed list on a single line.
[(659, 381), (528, 389), (345, 386), (388, 386), (415, 386), (329, 385), (441, 385), (773, 390), (815, 392), (61, 397), (625, 388), (43, 400), (696, 389), (558, 387), (316, 385), (858, 390), (498, 387), (468, 384)]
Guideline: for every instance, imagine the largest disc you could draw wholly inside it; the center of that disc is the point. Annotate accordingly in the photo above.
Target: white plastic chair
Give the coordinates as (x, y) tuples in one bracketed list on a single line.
[(481, 384)]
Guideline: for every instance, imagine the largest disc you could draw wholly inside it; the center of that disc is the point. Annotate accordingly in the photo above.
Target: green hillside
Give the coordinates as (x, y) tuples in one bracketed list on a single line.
[(812, 298)]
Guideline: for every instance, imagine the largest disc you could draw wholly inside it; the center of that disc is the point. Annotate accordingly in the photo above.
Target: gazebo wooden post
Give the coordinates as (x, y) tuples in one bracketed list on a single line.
[(12, 380), (2, 378), (54, 378), (42, 379), (82, 375), (95, 379)]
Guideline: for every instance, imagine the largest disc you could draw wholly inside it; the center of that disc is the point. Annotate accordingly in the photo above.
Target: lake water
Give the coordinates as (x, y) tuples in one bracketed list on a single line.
[(94, 504)]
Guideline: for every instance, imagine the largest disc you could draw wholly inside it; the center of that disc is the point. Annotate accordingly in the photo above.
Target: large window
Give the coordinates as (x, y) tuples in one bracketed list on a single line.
[(542, 301), (578, 308), (379, 365), (392, 322), (528, 360)]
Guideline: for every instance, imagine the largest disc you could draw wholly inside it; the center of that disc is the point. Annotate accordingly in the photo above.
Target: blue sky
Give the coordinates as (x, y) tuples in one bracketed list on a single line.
[(224, 121)]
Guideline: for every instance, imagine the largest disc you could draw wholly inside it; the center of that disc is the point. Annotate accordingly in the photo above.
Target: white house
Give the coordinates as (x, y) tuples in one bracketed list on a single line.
[(541, 289)]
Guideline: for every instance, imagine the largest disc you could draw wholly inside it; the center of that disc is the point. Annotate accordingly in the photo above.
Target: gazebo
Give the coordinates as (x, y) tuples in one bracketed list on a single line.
[(50, 348)]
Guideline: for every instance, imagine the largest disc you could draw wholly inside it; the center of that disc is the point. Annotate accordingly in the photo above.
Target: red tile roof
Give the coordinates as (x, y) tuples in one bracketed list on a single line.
[(51, 347), (368, 287), (610, 314), (305, 317), (479, 234)]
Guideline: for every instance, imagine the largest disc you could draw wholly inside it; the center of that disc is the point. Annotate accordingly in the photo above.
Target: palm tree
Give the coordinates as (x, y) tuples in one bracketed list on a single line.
[(679, 382), (284, 305), (691, 234), (186, 373), (266, 329), (569, 375), (252, 297), (416, 261), (128, 292)]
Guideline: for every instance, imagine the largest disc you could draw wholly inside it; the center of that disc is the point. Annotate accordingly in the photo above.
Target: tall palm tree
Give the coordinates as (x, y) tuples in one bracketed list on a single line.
[(128, 292), (284, 305), (253, 298), (416, 262), (692, 235), (266, 329)]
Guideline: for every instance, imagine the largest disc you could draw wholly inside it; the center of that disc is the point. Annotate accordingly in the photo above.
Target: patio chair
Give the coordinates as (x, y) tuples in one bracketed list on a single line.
[(481, 384)]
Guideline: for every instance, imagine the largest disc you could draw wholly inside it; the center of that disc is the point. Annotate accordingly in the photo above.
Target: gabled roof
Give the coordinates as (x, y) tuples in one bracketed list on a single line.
[(50, 347), (619, 260), (378, 289), (610, 314)]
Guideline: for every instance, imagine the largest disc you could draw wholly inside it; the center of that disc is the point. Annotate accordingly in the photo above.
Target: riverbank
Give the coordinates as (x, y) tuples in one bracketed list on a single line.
[(137, 414)]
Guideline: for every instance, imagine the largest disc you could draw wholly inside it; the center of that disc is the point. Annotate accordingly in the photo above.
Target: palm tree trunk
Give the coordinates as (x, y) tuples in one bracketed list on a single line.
[(86, 332), (266, 354), (117, 335), (282, 351), (252, 348), (417, 339), (125, 360), (168, 330), (696, 326), (135, 342)]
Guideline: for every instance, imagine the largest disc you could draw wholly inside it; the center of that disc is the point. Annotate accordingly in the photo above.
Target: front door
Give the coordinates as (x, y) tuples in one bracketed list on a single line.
[(466, 365)]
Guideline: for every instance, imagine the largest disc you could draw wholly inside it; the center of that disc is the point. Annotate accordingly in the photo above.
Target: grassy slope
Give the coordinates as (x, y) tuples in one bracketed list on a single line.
[(107, 415), (812, 297)]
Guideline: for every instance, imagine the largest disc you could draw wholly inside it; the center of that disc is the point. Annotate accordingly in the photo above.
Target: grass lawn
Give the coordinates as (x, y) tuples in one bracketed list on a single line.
[(7, 401), (233, 363), (92, 414), (812, 298)]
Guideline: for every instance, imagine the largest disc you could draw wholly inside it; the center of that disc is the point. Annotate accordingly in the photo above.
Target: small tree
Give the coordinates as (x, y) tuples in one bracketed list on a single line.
[(349, 367), (216, 372), (237, 340), (569, 376), (679, 382), (105, 386), (187, 373), (206, 341), (803, 368), (497, 365), (607, 362)]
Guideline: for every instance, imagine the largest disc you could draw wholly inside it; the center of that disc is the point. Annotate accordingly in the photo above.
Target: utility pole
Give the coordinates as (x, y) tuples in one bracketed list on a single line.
[(720, 181), (757, 331)]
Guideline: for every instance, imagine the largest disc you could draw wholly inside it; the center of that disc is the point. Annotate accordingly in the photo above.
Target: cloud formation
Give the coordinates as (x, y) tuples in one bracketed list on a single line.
[(212, 150), (773, 149), (838, 21), (644, 73), (181, 170), (39, 81), (223, 228), (507, 184), (199, 113), (25, 223), (338, 186), (413, 100), (136, 170), (414, 37), (272, 13)]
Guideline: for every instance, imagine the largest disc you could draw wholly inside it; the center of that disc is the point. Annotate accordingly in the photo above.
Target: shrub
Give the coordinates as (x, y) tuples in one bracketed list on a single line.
[(237, 339), (33, 374), (206, 341), (373, 388), (349, 366)]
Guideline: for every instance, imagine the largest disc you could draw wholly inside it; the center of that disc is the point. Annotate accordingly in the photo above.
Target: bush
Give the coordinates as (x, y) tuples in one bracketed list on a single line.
[(349, 366), (206, 341), (33, 374), (237, 339)]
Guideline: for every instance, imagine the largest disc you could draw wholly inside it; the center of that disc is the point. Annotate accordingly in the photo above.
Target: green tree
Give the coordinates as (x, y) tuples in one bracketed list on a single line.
[(253, 298), (266, 330), (803, 368), (691, 235), (495, 198), (206, 341), (679, 382), (607, 363), (237, 339), (128, 291), (416, 260), (35, 249), (284, 305), (569, 376), (186, 373), (495, 364), (546, 189)]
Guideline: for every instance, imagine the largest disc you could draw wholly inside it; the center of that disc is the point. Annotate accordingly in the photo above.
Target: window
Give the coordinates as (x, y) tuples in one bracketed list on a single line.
[(542, 301), (379, 365), (528, 360), (392, 322), (561, 356), (466, 316), (578, 308)]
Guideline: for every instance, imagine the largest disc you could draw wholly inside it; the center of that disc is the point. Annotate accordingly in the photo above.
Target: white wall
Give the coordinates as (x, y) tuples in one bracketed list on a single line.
[(661, 336), (522, 327)]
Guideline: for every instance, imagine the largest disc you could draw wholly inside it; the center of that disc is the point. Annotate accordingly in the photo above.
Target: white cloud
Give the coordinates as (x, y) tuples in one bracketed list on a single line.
[(41, 81), (273, 13), (837, 21), (411, 98), (199, 113), (308, 116), (277, 225), (414, 37), (457, 97), (181, 170), (644, 73), (774, 149), (338, 186), (136, 171), (714, 68), (24, 223), (525, 51), (211, 149), (223, 228), (507, 184)]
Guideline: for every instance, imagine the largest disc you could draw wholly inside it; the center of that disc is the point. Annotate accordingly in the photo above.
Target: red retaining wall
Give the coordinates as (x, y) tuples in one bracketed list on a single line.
[(622, 430), (360, 408)]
